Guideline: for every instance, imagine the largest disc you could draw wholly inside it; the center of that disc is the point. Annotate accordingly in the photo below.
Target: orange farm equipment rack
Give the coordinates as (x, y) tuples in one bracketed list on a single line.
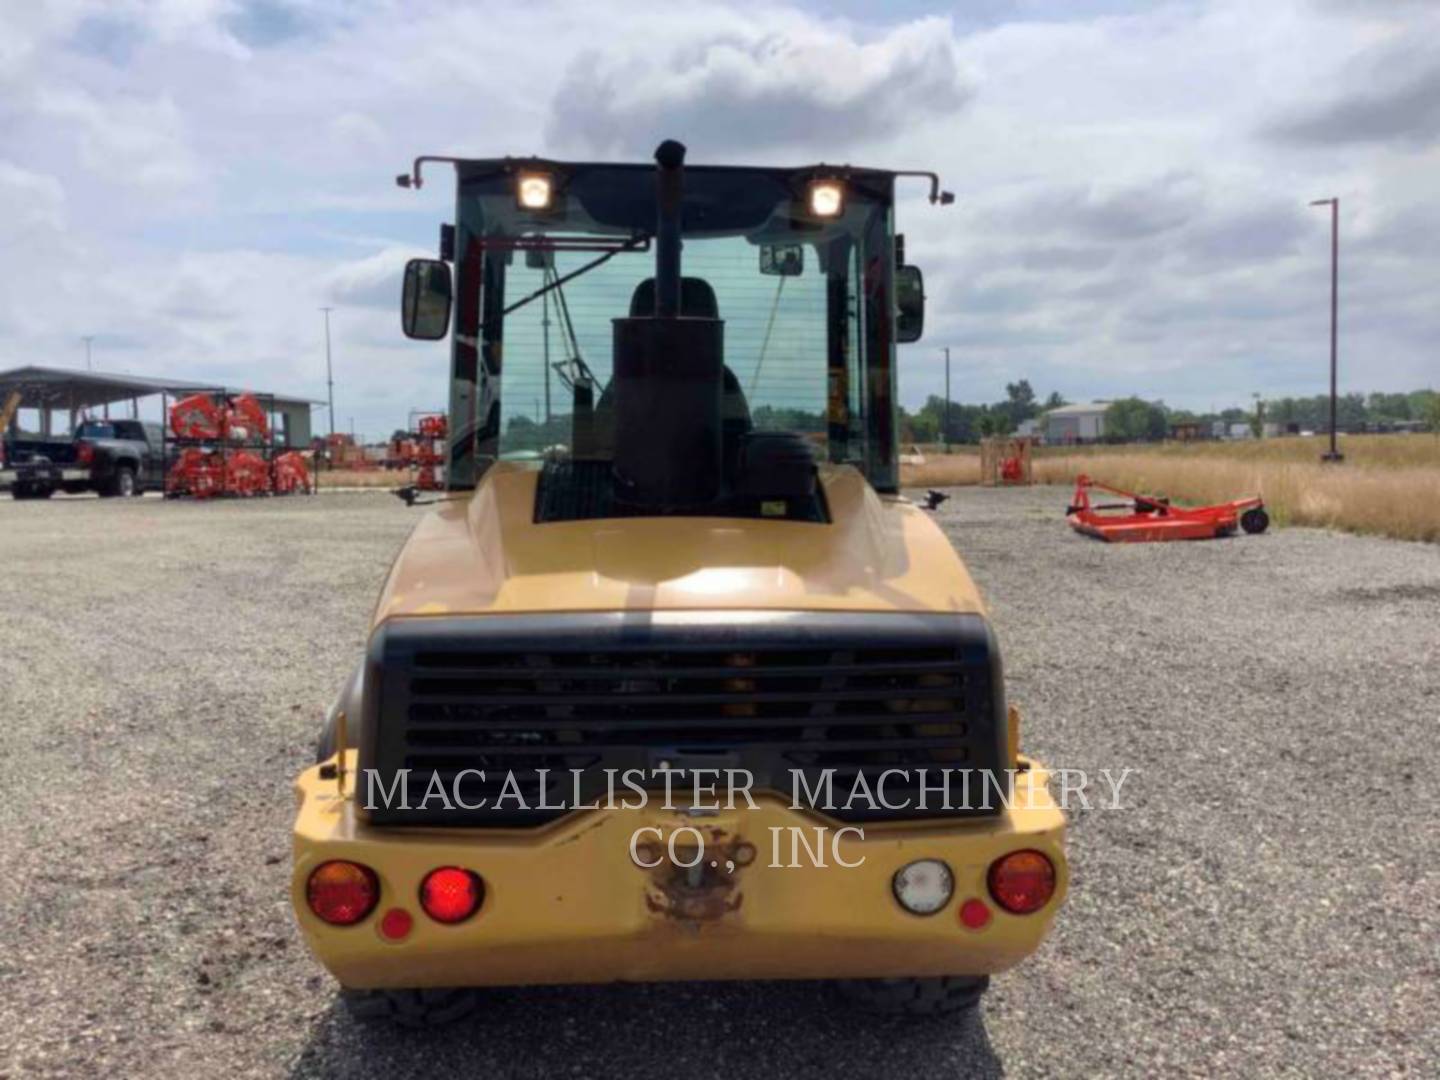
[(1147, 518), (426, 449), (219, 443), (1005, 460)]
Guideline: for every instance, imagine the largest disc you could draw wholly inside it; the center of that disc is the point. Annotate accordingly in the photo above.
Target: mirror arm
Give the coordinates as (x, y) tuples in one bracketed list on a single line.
[(944, 198), (413, 179)]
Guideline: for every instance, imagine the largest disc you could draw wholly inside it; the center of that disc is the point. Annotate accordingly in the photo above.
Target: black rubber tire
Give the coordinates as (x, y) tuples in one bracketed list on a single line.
[(122, 483), (1255, 520), (325, 744), (940, 996), (411, 1008), (31, 491)]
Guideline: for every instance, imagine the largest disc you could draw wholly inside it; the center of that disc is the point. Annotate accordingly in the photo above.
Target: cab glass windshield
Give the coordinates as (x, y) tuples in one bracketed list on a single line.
[(804, 300)]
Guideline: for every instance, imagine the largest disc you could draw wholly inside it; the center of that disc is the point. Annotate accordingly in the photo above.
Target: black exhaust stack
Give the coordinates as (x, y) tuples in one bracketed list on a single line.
[(668, 377)]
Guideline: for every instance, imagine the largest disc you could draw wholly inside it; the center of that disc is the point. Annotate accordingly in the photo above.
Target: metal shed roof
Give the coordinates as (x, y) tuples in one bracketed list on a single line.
[(59, 388), (1079, 410)]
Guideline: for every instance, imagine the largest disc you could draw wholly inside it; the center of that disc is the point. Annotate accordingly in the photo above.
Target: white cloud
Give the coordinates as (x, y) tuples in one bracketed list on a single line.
[(129, 140), (192, 179), (792, 84)]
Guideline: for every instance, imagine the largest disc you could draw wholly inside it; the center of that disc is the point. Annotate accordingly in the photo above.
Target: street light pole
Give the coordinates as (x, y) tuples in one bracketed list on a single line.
[(1334, 204), (945, 437), (329, 371), (88, 338)]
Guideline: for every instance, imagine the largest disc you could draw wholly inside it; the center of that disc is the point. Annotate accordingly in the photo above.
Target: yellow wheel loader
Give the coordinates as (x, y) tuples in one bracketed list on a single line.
[(671, 683)]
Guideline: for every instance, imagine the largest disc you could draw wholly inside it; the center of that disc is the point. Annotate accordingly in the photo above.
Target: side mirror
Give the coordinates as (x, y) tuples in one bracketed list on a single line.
[(425, 301), (782, 260), (909, 304)]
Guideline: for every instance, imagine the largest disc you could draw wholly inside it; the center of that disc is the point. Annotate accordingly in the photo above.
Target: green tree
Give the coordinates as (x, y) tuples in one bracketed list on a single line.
[(1133, 419), (1432, 412), (1021, 399)]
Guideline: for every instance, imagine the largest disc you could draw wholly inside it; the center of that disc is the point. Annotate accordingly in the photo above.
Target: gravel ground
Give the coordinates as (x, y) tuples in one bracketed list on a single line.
[(1267, 903)]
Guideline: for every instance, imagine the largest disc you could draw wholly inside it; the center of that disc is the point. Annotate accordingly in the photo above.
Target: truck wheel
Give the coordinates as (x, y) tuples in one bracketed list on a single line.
[(411, 1008), (917, 997), (122, 483), (31, 491)]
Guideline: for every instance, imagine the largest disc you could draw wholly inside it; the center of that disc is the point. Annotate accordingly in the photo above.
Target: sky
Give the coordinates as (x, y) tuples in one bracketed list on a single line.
[(191, 181)]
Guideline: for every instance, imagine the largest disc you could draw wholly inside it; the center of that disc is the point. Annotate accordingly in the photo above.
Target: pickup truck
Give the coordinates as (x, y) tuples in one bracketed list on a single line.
[(111, 457)]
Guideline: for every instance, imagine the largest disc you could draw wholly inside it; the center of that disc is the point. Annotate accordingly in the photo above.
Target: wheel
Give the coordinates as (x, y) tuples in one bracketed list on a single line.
[(1255, 520), (917, 997), (325, 744), (411, 1008), (31, 491), (122, 483)]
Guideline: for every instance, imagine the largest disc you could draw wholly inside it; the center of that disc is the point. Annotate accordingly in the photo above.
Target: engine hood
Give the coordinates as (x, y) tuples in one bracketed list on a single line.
[(485, 555)]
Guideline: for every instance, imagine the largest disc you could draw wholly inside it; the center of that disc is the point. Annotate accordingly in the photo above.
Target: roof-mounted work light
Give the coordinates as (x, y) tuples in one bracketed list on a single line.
[(533, 191), (827, 198)]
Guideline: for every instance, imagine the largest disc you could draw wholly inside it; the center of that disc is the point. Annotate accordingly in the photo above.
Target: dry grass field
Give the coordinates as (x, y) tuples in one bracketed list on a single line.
[(1389, 485), (348, 479)]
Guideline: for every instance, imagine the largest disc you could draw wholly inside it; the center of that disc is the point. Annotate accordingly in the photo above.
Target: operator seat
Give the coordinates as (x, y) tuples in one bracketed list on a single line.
[(697, 299)]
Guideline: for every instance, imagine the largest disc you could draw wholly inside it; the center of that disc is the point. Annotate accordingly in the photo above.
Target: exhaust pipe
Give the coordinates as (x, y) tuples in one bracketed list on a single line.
[(669, 193), (668, 377)]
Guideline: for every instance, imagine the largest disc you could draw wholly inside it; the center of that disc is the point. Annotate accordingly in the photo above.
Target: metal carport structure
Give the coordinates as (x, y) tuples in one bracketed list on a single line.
[(50, 390)]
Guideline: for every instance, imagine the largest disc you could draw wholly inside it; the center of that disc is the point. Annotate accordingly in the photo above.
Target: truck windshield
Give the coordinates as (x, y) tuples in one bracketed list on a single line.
[(804, 302), (94, 429)]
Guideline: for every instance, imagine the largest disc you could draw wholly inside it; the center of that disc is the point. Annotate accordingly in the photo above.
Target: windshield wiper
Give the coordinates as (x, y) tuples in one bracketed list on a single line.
[(632, 244)]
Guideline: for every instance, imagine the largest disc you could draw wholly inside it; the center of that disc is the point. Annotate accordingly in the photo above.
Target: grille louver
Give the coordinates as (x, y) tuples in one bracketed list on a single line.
[(769, 694)]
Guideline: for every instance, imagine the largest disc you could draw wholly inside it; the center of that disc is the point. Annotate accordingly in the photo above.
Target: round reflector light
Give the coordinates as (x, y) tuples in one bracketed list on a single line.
[(924, 887), (974, 914), (1022, 882), (342, 893), (396, 923), (450, 894)]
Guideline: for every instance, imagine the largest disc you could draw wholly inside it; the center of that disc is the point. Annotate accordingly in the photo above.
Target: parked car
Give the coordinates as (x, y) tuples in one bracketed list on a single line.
[(111, 457)]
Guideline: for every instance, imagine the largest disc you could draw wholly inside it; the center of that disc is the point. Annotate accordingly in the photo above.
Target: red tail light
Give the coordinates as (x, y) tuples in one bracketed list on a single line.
[(450, 894), (1022, 882), (84, 453), (342, 893)]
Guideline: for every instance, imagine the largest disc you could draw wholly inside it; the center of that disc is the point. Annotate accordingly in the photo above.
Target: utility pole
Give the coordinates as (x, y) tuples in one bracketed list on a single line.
[(1334, 454), (945, 436), (329, 371), (88, 338)]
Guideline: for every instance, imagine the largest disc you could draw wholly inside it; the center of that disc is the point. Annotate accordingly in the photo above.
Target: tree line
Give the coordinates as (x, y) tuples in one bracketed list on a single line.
[(1134, 419), (1130, 419)]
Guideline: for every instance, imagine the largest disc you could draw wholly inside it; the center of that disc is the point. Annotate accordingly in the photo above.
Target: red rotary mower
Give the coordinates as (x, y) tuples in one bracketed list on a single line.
[(1143, 517)]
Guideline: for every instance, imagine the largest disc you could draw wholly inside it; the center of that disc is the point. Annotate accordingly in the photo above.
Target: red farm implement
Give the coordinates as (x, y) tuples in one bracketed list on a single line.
[(1146, 518), (291, 474)]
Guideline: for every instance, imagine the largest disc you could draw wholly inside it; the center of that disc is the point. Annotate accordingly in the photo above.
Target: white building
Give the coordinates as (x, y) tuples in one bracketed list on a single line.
[(1076, 423)]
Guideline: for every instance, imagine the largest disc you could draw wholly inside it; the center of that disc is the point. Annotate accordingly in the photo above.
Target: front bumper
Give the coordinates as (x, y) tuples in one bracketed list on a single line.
[(567, 904)]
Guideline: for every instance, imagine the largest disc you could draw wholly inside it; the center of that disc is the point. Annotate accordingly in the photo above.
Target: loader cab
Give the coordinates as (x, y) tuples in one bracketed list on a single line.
[(670, 339)]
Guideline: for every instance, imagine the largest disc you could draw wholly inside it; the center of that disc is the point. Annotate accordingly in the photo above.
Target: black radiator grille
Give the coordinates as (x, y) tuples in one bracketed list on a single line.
[(769, 695)]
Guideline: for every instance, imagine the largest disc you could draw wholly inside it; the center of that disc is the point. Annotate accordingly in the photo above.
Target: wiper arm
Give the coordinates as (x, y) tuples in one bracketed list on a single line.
[(632, 244)]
